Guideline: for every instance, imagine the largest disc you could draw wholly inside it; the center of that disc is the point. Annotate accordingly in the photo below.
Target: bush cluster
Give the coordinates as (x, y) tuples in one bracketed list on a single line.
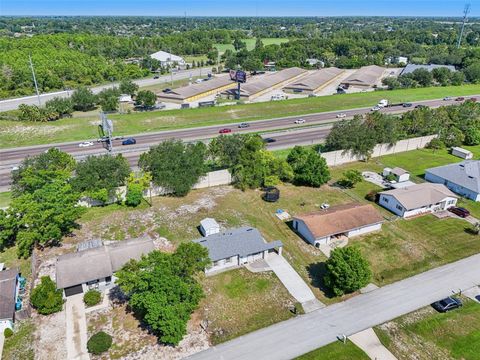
[(99, 343), (92, 297)]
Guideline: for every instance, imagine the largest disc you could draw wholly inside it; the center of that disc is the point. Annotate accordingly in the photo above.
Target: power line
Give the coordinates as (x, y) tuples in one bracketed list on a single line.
[(465, 19)]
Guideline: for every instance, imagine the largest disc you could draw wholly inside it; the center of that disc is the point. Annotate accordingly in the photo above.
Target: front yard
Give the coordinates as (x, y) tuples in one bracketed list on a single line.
[(336, 351)]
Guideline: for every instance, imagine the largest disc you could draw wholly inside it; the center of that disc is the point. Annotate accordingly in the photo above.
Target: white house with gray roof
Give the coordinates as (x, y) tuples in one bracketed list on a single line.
[(417, 199), (236, 247), (462, 178)]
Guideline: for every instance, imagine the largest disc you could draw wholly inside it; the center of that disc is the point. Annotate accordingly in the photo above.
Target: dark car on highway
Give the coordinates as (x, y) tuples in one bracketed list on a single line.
[(461, 98), (269, 140), (421, 106), (462, 212), (407, 105), (129, 141), (244, 125), (447, 304)]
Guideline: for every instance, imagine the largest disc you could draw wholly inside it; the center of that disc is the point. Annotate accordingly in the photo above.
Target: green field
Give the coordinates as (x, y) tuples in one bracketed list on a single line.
[(82, 126), (250, 44), (336, 351), (430, 335)]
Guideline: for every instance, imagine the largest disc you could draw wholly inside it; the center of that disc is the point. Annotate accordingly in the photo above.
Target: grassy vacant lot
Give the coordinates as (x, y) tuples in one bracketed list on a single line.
[(430, 335), (20, 345), (251, 44), (336, 351), (83, 125), (238, 302), (168, 84)]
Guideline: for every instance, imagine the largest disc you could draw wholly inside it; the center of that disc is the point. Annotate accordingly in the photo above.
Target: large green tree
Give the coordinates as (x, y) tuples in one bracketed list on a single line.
[(128, 87), (309, 168), (46, 298), (108, 99), (346, 270), (62, 106), (175, 166), (163, 291), (225, 149), (145, 98)]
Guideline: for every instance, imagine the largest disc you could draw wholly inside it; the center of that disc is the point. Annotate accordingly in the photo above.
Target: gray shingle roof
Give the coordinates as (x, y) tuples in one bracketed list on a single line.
[(314, 80), (420, 195), (241, 241), (8, 283), (97, 263), (465, 173), (412, 67), (365, 76), (188, 91)]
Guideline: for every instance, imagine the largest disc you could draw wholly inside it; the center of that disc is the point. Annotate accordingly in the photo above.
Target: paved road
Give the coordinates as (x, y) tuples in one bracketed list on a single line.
[(292, 338), (12, 104)]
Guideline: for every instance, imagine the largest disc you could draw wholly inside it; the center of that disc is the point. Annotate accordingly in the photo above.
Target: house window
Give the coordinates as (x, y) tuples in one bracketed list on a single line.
[(229, 260), (93, 282), (399, 207), (385, 200), (451, 202)]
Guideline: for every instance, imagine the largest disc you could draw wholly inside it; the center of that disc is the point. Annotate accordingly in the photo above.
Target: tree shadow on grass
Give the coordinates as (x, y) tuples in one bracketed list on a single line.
[(317, 271)]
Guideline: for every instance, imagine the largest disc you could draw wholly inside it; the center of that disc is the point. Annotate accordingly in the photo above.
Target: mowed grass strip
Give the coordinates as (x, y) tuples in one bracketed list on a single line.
[(83, 126), (250, 44), (336, 351)]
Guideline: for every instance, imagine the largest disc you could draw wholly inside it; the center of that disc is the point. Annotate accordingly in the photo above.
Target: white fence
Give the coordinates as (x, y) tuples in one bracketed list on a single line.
[(340, 157)]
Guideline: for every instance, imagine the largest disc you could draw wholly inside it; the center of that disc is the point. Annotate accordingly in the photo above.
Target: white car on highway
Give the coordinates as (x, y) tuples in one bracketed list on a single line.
[(341, 115), (86, 144), (300, 121)]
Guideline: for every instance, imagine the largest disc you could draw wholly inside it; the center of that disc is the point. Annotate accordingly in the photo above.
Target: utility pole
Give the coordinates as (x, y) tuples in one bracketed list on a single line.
[(34, 79), (465, 19)]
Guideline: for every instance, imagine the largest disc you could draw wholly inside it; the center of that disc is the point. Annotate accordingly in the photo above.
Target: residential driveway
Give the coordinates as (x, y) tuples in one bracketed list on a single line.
[(369, 342), (293, 282), (292, 338), (76, 328)]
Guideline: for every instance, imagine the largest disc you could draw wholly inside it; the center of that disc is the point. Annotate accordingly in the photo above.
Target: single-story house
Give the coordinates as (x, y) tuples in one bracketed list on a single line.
[(168, 59), (417, 199), (9, 287), (209, 226), (399, 174), (462, 178), (462, 153), (236, 247), (94, 268), (321, 227)]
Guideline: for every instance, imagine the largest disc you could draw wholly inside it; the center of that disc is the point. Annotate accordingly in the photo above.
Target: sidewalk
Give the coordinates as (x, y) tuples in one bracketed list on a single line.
[(76, 328), (369, 342)]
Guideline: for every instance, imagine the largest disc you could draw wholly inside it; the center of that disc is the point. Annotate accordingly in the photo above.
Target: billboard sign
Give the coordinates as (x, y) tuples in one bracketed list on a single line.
[(238, 76)]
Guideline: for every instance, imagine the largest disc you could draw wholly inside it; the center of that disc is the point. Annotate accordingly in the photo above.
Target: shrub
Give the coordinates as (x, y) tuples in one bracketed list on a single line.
[(92, 297), (435, 144), (7, 333), (99, 343), (46, 298), (372, 196), (350, 178), (134, 195)]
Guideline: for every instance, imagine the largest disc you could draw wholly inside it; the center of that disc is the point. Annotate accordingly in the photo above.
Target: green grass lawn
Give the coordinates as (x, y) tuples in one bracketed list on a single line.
[(20, 345), (336, 351), (168, 84), (84, 125), (250, 44), (431, 335), (5, 198), (238, 302)]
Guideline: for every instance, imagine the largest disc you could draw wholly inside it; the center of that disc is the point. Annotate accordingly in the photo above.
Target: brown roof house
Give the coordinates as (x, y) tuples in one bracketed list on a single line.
[(8, 297), (418, 199), (94, 268), (321, 227)]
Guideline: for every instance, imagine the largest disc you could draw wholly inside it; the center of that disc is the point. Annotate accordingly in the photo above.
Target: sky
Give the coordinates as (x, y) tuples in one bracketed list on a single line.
[(239, 7)]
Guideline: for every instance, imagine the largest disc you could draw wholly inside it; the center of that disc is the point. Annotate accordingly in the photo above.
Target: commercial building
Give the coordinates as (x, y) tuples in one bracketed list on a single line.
[(94, 267), (365, 77), (347, 220), (412, 67), (268, 82), (314, 81), (195, 92), (417, 199), (168, 59), (236, 247), (462, 178), (9, 287)]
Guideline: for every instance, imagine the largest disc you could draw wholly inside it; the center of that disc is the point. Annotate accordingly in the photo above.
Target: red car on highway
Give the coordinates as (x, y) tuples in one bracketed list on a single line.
[(225, 131)]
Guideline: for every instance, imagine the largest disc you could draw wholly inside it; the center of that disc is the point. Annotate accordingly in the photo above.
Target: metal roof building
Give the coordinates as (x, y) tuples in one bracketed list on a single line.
[(366, 76), (197, 91), (412, 67), (315, 81), (269, 82)]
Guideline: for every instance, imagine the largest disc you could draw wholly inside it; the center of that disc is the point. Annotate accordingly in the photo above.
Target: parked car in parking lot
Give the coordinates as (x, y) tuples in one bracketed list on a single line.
[(300, 121), (462, 212), (341, 115), (460, 98), (86, 144), (244, 125), (129, 141), (447, 304), (225, 131)]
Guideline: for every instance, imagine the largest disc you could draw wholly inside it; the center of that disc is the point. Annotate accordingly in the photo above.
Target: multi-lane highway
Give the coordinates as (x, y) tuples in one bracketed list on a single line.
[(315, 128), (12, 104)]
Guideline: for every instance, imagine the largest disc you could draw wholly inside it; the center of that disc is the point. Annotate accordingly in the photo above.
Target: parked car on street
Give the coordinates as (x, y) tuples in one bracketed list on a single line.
[(462, 212), (300, 121), (244, 125), (447, 304), (225, 131), (341, 115), (86, 144), (460, 98), (129, 141)]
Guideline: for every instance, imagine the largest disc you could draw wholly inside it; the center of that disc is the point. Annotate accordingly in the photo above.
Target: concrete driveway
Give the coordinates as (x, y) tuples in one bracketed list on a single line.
[(293, 282), (369, 342), (76, 328)]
